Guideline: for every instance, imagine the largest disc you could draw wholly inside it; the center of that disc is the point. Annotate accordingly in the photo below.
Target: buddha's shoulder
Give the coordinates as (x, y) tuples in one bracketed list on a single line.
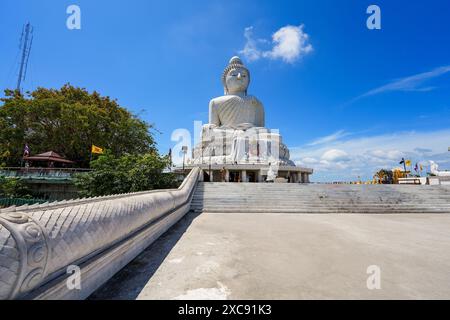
[(254, 100), (220, 100), (223, 99)]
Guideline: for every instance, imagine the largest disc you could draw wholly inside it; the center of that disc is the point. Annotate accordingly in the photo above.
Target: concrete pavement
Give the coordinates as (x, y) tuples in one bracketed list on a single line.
[(291, 256)]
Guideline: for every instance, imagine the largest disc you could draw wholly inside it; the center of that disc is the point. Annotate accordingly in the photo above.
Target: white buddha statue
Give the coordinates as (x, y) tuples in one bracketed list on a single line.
[(236, 109), (236, 130), (434, 169)]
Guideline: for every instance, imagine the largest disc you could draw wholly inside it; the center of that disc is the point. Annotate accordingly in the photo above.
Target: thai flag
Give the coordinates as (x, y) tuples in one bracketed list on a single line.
[(26, 150)]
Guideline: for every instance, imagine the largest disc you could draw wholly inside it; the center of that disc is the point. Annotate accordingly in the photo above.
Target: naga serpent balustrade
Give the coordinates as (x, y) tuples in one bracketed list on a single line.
[(100, 235)]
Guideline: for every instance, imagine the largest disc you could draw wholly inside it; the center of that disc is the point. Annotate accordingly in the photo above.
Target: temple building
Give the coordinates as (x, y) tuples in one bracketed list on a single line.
[(235, 145)]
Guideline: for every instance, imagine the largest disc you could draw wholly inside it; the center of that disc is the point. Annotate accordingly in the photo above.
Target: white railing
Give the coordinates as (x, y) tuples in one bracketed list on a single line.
[(40, 244)]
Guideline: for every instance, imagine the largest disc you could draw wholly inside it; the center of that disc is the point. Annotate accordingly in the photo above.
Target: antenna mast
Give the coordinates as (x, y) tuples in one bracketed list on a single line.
[(26, 41)]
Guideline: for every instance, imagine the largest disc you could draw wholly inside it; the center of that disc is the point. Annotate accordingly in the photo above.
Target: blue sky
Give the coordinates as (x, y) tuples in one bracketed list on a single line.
[(347, 100)]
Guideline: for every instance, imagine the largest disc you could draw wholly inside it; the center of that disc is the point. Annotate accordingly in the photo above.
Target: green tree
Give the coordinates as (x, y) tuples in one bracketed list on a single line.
[(68, 121), (129, 173), (13, 188), (385, 176)]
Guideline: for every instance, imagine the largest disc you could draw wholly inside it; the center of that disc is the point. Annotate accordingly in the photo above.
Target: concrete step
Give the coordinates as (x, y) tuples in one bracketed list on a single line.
[(296, 198), (313, 211), (384, 205), (328, 194), (309, 188), (284, 204), (361, 206), (384, 188), (312, 197), (319, 201), (321, 197), (423, 193), (250, 199)]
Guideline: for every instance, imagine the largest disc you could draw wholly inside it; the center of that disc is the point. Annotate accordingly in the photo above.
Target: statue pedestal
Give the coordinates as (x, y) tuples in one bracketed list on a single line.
[(252, 155), (251, 173), (233, 146)]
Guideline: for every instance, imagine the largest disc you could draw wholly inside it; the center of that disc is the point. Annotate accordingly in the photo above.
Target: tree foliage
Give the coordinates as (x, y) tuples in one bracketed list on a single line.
[(68, 121), (129, 173), (13, 188), (385, 176)]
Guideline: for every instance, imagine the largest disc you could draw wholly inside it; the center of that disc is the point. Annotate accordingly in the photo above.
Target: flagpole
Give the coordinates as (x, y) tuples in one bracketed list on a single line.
[(90, 159), (404, 165)]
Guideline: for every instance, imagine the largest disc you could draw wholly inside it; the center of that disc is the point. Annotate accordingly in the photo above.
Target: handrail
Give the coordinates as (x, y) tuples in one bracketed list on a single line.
[(39, 242)]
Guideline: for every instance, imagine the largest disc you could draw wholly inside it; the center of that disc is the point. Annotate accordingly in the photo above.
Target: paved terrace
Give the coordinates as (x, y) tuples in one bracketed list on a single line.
[(291, 256)]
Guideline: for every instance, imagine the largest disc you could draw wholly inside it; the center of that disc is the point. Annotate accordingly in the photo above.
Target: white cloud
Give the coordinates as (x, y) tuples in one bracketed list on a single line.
[(335, 155), (250, 50), (309, 160), (289, 44), (385, 154), (347, 158), (412, 83), (332, 137)]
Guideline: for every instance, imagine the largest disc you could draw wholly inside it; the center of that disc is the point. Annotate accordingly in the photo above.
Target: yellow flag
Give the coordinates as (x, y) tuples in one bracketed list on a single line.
[(408, 163), (96, 149)]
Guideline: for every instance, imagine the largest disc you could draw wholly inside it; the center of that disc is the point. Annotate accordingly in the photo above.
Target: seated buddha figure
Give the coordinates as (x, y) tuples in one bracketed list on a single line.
[(236, 109), (236, 130)]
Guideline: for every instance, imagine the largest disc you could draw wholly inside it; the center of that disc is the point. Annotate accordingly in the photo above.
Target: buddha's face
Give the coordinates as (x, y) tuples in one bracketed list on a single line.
[(237, 80)]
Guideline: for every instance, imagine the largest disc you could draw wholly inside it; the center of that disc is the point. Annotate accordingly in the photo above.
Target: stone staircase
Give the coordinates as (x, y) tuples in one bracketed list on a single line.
[(315, 198)]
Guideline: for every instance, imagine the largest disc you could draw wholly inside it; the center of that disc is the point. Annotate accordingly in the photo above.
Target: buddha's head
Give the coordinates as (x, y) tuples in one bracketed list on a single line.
[(236, 77)]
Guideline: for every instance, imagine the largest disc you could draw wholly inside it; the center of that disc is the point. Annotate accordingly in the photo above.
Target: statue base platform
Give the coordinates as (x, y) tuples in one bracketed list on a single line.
[(249, 173), (250, 155), (250, 146)]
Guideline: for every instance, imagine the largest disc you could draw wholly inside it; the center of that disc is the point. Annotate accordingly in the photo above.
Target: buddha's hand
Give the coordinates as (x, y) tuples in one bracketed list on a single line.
[(209, 126)]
